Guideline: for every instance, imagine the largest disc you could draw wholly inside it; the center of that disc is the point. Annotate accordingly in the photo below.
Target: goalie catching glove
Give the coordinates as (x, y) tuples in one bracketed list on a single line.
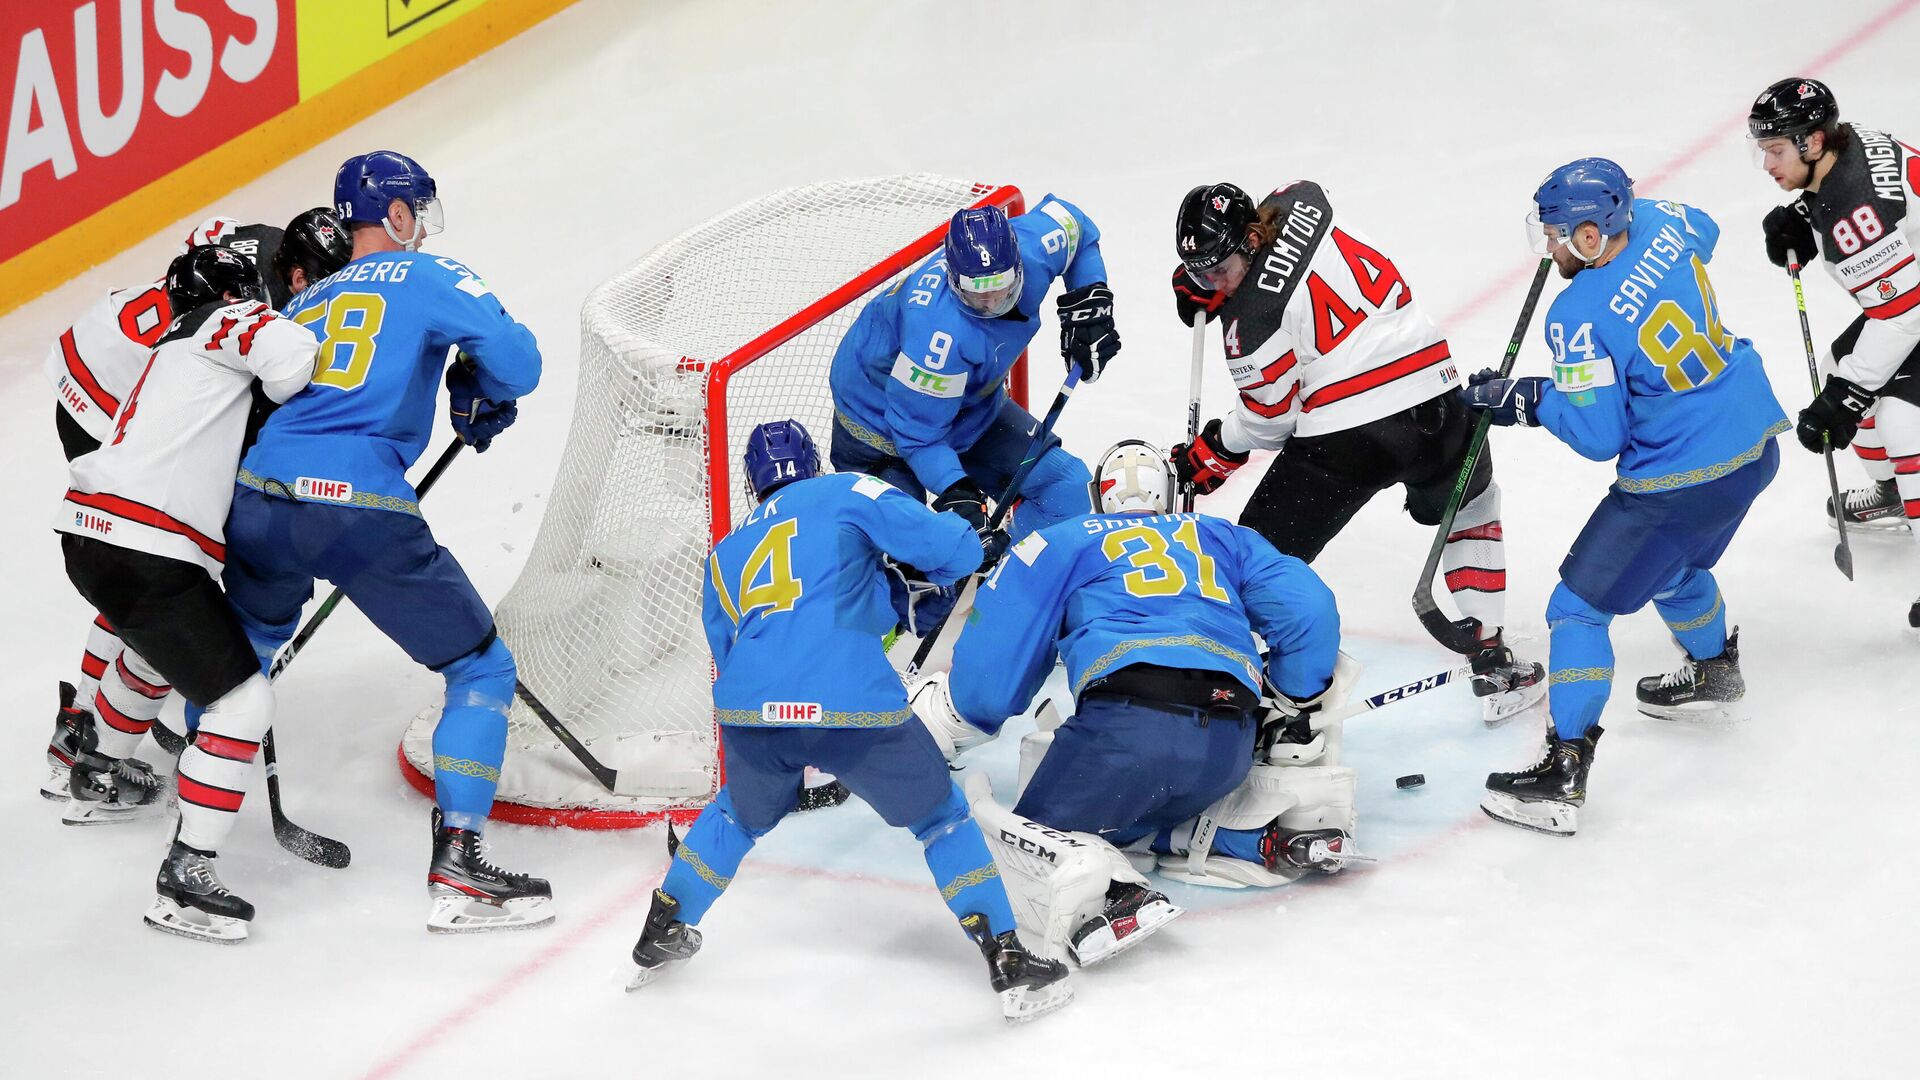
[(1205, 463), (476, 420), (1087, 337)]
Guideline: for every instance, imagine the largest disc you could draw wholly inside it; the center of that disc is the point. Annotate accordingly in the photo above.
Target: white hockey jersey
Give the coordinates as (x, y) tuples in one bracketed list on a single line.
[(163, 480), (1860, 218), (95, 363), (1323, 334)]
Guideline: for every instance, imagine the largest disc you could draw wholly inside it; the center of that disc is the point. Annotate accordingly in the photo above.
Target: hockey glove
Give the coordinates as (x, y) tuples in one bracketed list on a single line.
[(1789, 232), (1510, 401), (1087, 337), (1205, 463), (1191, 298), (993, 548), (967, 500), (919, 604), (1834, 416), (475, 419)]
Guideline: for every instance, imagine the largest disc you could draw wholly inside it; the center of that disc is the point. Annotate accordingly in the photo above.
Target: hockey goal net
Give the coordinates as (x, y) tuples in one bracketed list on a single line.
[(726, 326)]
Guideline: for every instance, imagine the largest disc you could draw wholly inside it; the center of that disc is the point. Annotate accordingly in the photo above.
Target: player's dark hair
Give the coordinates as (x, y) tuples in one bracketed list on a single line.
[(1265, 226)]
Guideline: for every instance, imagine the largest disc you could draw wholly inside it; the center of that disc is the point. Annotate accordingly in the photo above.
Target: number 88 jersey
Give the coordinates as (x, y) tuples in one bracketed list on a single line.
[(1644, 367), (1859, 218)]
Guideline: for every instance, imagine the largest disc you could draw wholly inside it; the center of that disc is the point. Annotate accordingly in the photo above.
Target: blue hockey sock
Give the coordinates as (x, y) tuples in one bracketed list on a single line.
[(962, 867), (1239, 843), (470, 740), (1695, 613), (1054, 491), (708, 858), (1581, 661)]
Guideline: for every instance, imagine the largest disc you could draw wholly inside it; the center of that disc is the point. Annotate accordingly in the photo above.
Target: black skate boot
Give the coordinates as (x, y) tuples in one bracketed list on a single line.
[(1913, 616), (104, 790), (1132, 914), (1510, 686), (192, 902), (471, 894), (1326, 850), (1699, 690), (1874, 509), (1546, 797), (665, 942), (1029, 986), (62, 747)]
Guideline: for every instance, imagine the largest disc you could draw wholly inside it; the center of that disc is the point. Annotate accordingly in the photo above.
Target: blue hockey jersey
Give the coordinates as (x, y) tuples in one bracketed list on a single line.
[(385, 323), (920, 378), (1645, 371), (1110, 590), (795, 602)]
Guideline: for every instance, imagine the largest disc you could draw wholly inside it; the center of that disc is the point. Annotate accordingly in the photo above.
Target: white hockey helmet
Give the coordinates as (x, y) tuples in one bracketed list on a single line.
[(1133, 477)]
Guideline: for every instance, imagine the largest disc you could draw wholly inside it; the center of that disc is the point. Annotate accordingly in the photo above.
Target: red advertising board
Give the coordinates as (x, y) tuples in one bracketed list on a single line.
[(103, 96)]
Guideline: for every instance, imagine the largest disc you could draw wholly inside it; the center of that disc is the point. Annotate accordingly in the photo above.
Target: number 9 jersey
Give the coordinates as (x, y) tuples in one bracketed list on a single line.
[(385, 323), (1645, 371)]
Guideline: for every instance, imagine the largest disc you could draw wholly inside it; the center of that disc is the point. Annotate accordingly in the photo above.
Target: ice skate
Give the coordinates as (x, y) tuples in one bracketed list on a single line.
[(1506, 685), (104, 790), (664, 944), (1029, 986), (193, 903), (61, 748), (1132, 915), (1327, 850), (1547, 796), (1699, 690), (471, 894), (1876, 509)]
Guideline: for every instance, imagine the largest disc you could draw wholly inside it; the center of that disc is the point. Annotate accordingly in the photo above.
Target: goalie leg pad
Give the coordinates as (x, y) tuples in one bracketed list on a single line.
[(1298, 798), (932, 705)]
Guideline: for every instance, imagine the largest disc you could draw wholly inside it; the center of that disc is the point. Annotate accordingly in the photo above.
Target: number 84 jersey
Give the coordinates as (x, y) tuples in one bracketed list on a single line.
[(1645, 371)]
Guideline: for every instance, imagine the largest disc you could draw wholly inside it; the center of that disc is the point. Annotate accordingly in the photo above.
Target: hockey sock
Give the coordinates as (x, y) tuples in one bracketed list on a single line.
[(1899, 425), (1054, 491), (1870, 447), (1475, 561), (103, 648), (1581, 660), (963, 868), (470, 741), (708, 858), (215, 768), (1233, 843), (1694, 612), (126, 704)]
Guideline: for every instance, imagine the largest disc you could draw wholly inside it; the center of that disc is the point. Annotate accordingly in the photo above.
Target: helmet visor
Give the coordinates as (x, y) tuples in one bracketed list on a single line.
[(1544, 238), (430, 215), (1220, 274), (990, 295)]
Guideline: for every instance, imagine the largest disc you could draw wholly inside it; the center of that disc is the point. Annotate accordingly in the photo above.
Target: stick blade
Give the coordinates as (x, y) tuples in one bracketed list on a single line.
[(1843, 558), (311, 846)]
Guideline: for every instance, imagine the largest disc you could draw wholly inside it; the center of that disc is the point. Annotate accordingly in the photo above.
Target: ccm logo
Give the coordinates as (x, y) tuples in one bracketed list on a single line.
[(307, 487), (791, 712)]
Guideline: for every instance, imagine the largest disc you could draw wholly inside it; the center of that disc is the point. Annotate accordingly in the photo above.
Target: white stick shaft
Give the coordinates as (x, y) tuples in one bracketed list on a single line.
[(1193, 393)]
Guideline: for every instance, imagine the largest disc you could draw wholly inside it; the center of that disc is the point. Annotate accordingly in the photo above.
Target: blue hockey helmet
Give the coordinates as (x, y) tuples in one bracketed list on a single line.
[(779, 452), (983, 261), (1590, 189), (368, 183)]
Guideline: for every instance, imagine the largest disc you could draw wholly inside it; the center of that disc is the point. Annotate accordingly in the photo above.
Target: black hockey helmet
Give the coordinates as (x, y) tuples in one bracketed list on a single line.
[(1212, 225), (1794, 108), (261, 245), (205, 275), (316, 242)]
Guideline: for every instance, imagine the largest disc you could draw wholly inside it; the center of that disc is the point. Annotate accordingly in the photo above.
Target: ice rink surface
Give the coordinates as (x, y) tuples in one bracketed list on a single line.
[(1738, 902)]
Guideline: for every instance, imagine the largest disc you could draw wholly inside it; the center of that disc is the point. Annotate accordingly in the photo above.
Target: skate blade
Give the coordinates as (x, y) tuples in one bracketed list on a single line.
[(458, 913), (1497, 709), (54, 788), (645, 977), (1099, 947), (169, 917), (99, 813), (1551, 818), (1025, 1004), (1699, 712), (1880, 526)]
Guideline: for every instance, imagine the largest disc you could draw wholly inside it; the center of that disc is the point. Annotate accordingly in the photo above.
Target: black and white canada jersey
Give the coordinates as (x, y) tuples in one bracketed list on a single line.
[(1323, 334), (1859, 217), (94, 364), (162, 481)]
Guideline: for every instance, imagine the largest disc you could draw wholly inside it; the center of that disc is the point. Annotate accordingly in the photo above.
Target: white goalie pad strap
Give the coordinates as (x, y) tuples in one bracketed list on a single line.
[(1301, 797), (933, 705), (1047, 717), (1325, 747), (1033, 747), (1055, 879)]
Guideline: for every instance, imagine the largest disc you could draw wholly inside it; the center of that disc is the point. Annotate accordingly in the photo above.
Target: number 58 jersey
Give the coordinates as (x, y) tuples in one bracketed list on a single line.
[(1645, 371)]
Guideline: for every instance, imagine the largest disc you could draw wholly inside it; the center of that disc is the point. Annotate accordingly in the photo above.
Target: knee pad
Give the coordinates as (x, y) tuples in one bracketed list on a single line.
[(1055, 490), (244, 712), (1567, 605), (483, 679)]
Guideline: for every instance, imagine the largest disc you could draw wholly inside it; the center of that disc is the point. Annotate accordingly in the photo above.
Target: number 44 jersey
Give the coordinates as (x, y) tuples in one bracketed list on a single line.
[(1645, 371)]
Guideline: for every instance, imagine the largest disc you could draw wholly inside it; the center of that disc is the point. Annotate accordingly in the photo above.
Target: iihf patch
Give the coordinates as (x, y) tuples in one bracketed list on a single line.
[(1030, 548), (873, 487)]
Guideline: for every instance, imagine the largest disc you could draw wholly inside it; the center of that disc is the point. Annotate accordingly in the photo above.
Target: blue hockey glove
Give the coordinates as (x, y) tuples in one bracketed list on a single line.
[(1511, 401), (1087, 337), (476, 420)]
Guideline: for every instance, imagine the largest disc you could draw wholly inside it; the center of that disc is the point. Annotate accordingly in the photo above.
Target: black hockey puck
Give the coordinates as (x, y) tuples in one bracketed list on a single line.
[(1411, 780)]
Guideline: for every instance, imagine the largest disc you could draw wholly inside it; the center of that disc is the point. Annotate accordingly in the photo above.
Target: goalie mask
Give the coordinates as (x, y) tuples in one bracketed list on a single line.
[(1133, 478)]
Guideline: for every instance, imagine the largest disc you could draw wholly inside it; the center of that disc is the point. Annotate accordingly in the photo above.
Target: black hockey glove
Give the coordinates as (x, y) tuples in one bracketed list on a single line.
[(993, 548), (1789, 231), (1191, 298), (1834, 416), (1087, 337), (966, 499), (476, 420), (1205, 463), (1510, 401)]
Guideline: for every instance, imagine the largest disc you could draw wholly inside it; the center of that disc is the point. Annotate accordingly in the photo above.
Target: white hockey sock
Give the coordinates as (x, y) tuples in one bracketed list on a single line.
[(103, 648), (126, 704), (214, 770), (1475, 561), (1899, 428), (1870, 442)]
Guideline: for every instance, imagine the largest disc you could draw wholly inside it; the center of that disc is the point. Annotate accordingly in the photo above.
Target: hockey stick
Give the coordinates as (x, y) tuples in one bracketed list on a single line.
[(1843, 551), (1000, 509), (1466, 639), (305, 843), (1187, 493), (1398, 693)]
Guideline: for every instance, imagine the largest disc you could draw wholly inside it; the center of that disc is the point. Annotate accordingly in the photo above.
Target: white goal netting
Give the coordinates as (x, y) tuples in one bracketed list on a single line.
[(728, 325)]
